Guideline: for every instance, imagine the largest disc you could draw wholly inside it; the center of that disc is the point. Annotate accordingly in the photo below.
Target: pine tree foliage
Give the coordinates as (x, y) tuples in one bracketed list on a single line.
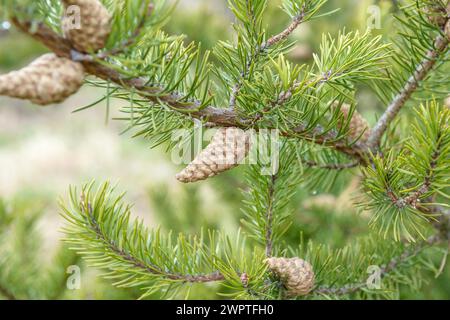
[(19, 243), (401, 184), (417, 35), (267, 217), (343, 273), (23, 274), (133, 255), (168, 84)]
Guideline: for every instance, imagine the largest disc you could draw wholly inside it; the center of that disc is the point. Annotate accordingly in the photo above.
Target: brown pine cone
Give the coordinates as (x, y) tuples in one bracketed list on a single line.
[(358, 127), (296, 274), (95, 26), (48, 79), (227, 149)]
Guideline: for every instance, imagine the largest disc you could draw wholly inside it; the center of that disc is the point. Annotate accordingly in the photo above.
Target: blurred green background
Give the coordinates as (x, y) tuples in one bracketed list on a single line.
[(44, 150)]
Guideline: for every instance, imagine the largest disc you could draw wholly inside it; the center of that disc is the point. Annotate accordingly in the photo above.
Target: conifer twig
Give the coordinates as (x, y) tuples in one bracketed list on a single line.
[(413, 83), (62, 47), (121, 256), (296, 21), (385, 270), (413, 198), (192, 278), (219, 116), (286, 95)]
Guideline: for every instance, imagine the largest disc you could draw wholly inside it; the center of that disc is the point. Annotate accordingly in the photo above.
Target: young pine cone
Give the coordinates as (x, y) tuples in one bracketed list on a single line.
[(48, 79), (358, 127), (227, 149), (296, 274), (94, 25)]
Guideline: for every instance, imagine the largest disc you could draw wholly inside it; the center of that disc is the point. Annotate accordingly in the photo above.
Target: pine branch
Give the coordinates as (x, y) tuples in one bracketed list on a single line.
[(330, 138), (296, 21), (62, 47), (413, 83), (211, 114), (286, 95), (393, 265), (149, 268), (402, 185), (99, 229), (99, 226), (414, 198), (268, 197)]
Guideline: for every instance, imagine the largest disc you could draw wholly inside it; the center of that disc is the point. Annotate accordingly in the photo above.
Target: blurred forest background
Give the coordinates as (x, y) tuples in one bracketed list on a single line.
[(44, 150)]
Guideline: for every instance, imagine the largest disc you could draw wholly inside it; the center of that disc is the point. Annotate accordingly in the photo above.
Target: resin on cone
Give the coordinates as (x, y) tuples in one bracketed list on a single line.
[(90, 31), (227, 149), (49, 79), (359, 127), (296, 274)]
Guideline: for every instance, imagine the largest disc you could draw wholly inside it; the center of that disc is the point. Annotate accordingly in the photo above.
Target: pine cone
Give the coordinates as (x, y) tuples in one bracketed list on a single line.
[(95, 25), (296, 274), (49, 79), (227, 149), (357, 125)]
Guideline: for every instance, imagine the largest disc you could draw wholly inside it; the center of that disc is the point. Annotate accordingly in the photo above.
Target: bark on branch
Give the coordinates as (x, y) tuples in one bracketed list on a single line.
[(413, 83), (211, 114), (296, 21), (142, 265)]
